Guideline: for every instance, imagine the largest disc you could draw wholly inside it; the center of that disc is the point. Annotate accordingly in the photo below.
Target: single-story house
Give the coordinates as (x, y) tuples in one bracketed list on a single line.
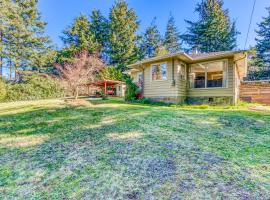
[(210, 78)]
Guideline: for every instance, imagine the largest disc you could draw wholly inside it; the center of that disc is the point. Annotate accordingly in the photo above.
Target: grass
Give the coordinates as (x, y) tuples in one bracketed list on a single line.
[(54, 149)]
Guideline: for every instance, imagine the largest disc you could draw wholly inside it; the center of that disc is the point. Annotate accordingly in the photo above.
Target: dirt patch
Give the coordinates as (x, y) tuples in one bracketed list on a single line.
[(77, 103), (259, 108)]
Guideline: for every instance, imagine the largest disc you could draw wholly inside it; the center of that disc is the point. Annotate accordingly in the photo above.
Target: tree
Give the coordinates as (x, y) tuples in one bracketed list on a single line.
[(43, 61), (123, 25), (22, 34), (172, 36), (4, 20), (82, 70), (78, 37), (213, 31), (263, 44), (111, 73), (99, 27), (151, 41)]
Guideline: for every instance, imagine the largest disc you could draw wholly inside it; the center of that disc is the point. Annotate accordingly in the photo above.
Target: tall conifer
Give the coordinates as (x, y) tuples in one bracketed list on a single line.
[(123, 24), (263, 43), (213, 31), (151, 41), (78, 37), (172, 36)]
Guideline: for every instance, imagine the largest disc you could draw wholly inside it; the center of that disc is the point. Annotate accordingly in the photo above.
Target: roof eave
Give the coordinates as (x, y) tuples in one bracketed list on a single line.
[(185, 57)]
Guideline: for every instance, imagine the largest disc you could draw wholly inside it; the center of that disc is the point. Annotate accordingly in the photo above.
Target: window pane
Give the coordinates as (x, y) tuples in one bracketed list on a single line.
[(163, 69), (183, 72), (210, 75), (159, 72), (140, 79), (214, 74), (198, 76), (154, 72)]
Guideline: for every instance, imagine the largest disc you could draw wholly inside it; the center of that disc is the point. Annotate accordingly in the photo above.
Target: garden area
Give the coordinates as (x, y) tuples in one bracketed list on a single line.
[(109, 149)]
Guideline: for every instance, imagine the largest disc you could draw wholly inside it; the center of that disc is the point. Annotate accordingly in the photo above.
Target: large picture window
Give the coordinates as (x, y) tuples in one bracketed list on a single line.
[(159, 71), (209, 75)]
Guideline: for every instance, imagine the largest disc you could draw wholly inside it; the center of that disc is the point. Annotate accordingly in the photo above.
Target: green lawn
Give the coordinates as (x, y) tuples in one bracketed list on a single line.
[(112, 150)]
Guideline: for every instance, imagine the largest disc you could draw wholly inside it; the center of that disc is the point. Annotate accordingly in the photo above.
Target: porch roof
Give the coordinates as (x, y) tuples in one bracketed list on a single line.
[(106, 82)]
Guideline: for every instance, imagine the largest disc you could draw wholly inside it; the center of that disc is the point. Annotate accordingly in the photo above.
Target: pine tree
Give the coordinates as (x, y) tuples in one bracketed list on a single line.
[(151, 41), (24, 35), (172, 36), (99, 28), (123, 25), (263, 44), (78, 36), (213, 31), (4, 20)]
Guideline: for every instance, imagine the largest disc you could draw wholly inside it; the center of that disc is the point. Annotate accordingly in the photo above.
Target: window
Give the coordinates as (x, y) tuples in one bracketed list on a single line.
[(140, 77), (209, 75), (182, 71), (159, 72)]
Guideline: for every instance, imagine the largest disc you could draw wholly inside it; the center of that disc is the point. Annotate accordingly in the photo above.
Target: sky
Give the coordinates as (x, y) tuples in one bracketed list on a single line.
[(60, 13)]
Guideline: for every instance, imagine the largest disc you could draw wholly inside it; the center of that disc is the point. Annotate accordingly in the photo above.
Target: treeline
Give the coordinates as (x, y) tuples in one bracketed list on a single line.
[(115, 38)]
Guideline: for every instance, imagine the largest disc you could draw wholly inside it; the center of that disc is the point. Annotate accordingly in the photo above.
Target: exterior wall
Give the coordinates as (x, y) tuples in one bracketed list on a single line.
[(120, 90), (240, 71), (160, 88), (134, 76)]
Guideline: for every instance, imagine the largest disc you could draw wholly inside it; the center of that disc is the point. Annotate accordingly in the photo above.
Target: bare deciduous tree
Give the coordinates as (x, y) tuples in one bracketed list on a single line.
[(82, 70)]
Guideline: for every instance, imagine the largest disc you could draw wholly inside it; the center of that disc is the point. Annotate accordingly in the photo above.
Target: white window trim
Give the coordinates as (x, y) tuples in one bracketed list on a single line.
[(212, 88), (151, 68)]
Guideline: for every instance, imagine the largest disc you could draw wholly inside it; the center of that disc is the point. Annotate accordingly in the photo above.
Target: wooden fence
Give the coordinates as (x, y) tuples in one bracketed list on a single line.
[(255, 91)]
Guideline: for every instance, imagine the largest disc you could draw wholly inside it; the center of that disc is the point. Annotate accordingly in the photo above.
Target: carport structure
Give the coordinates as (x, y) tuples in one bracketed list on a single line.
[(107, 83)]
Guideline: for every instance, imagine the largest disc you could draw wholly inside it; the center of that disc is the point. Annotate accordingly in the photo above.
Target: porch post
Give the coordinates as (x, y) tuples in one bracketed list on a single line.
[(105, 87), (143, 82)]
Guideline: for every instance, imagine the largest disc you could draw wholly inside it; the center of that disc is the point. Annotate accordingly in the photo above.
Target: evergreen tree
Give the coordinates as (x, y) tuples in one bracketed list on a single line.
[(99, 28), (123, 25), (213, 31), (111, 73), (24, 34), (4, 21), (263, 44), (172, 36), (151, 41), (78, 36)]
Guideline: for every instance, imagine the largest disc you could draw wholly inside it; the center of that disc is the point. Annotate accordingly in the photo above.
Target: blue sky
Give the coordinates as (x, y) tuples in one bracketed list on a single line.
[(60, 13)]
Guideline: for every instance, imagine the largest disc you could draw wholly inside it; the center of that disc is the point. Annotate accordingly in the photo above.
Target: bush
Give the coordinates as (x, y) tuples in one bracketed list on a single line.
[(151, 102), (3, 91), (144, 101), (33, 87), (131, 90)]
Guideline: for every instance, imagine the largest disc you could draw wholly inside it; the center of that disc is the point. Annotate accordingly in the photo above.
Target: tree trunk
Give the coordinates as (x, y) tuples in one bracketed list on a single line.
[(1, 56), (1, 66), (10, 70), (76, 93)]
